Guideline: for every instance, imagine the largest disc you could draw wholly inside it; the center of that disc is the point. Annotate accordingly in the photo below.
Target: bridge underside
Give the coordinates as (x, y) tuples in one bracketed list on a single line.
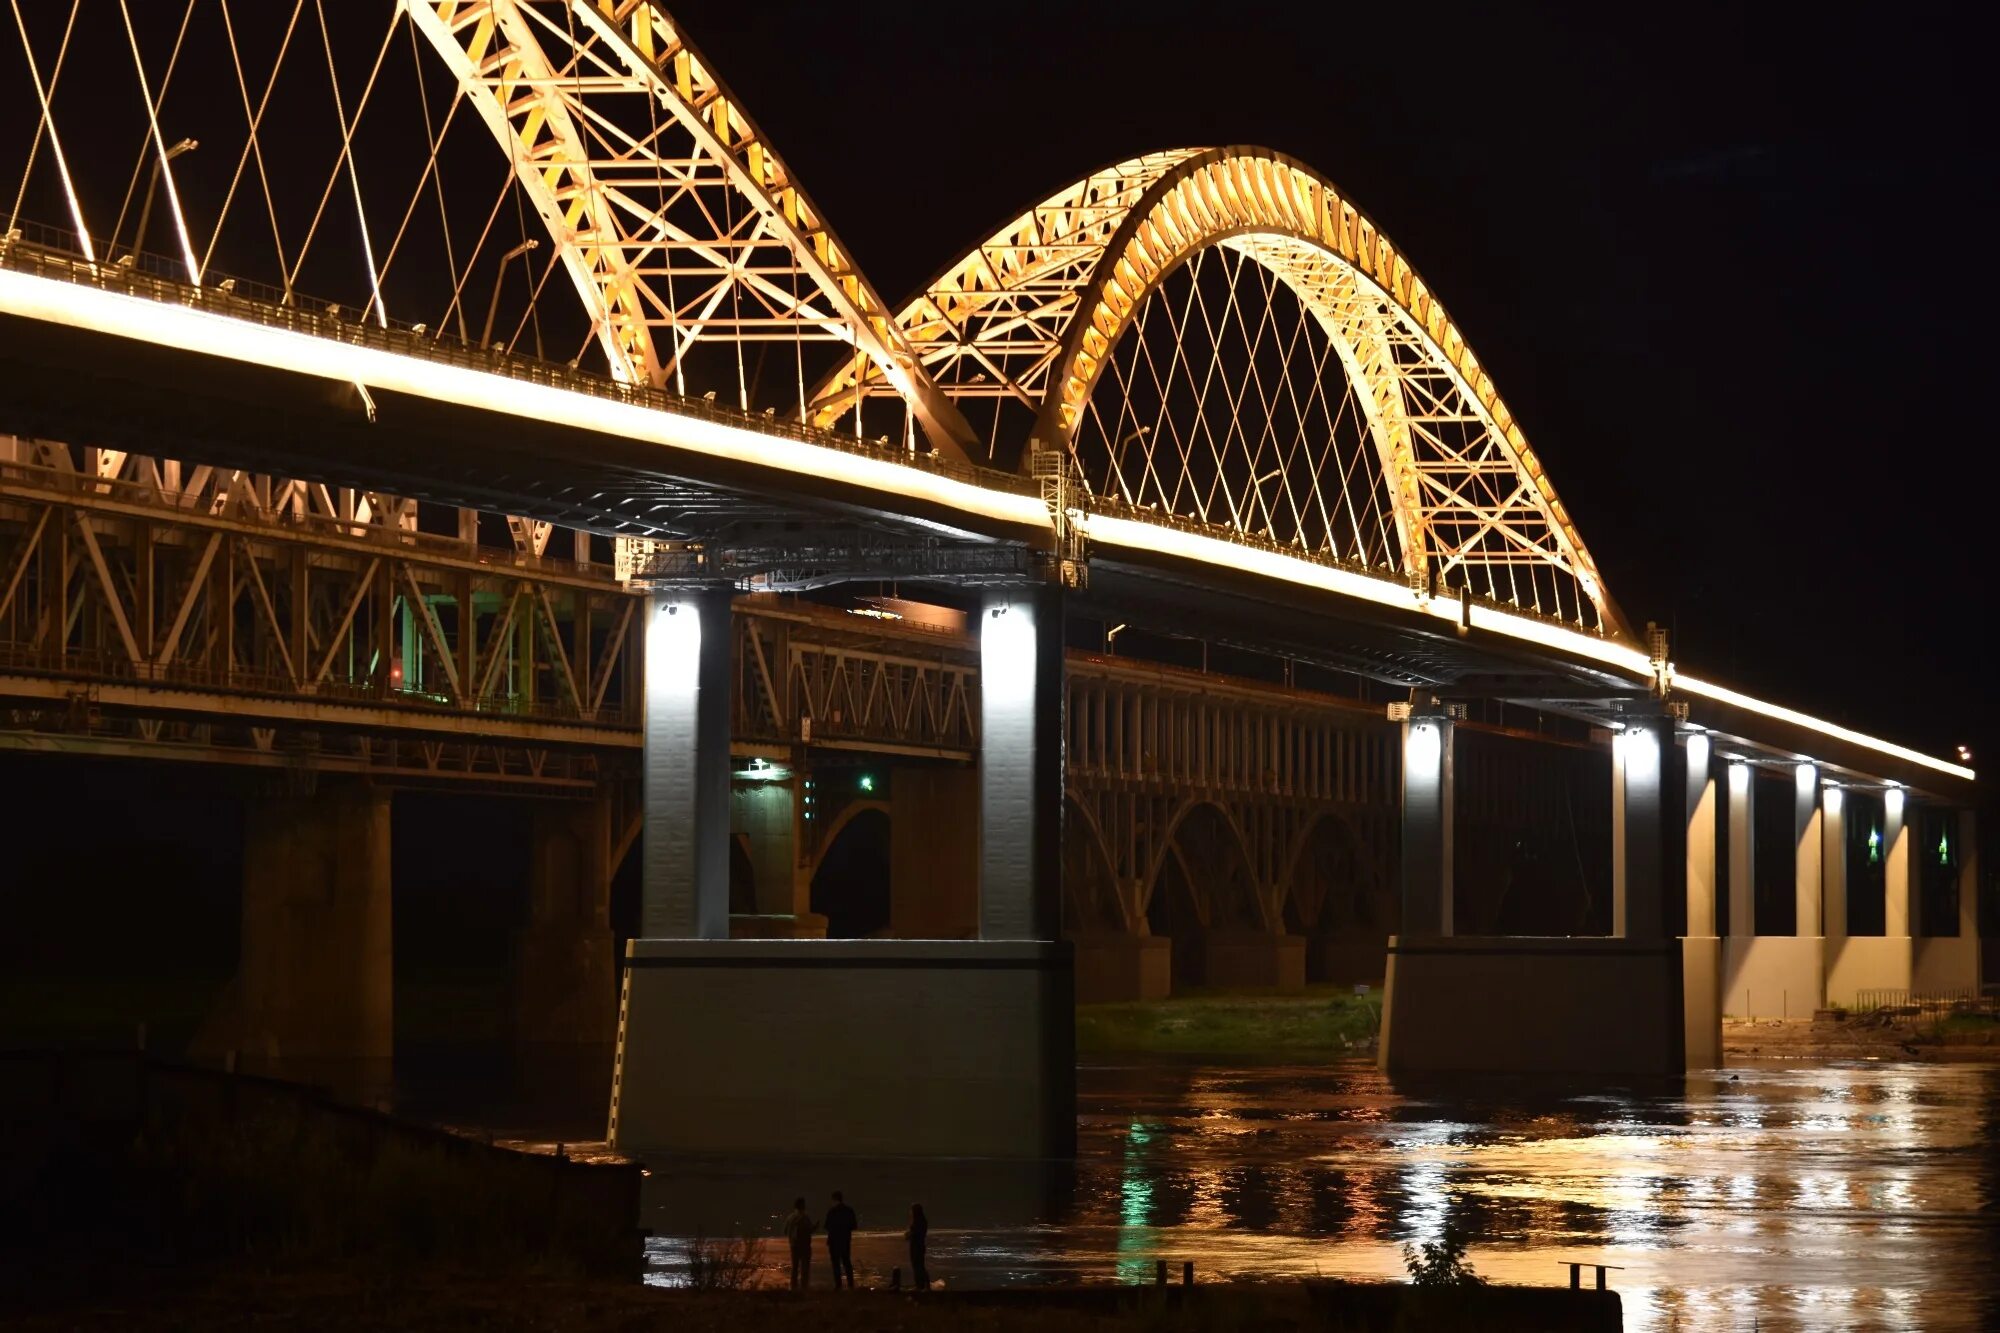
[(93, 389)]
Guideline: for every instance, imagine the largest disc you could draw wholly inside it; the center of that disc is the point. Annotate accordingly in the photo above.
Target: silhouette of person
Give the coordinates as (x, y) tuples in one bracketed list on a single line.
[(799, 1231), (841, 1224), (920, 1227)]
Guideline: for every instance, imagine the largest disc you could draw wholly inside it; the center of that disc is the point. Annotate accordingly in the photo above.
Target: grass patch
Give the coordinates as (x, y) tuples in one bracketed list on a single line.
[(1968, 1025), (1324, 1020)]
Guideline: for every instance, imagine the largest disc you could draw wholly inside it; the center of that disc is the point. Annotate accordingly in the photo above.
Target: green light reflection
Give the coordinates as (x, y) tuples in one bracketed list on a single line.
[(1135, 1232)]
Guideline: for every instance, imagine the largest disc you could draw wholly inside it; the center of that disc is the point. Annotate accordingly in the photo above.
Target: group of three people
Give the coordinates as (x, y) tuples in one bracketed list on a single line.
[(841, 1224)]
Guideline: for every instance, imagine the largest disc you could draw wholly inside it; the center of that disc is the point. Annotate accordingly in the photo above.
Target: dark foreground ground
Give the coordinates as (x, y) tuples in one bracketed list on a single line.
[(440, 1304)]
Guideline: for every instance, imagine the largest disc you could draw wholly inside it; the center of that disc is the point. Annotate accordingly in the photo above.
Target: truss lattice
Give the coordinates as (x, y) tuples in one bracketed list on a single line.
[(1215, 333), (1033, 318)]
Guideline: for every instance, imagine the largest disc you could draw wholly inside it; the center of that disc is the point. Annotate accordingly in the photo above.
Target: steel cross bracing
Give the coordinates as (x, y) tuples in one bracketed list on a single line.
[(153, 603), (810, 680)]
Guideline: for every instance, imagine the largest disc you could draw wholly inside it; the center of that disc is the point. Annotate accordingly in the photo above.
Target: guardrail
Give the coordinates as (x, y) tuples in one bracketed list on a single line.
[(270, 307), (1925, 1004)]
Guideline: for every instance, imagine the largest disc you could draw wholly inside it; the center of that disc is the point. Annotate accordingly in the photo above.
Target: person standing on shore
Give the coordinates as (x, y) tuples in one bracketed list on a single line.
[(920, 1227), (841, 1224), (799, 1231)]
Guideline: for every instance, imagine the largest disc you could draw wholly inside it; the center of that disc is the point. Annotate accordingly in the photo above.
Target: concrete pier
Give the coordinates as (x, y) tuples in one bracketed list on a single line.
[(564, 988), (906, 1047), (315, 981)]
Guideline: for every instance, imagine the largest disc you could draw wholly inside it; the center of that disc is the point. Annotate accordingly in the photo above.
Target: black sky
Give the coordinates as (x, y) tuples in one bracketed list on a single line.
[(1727, 268)]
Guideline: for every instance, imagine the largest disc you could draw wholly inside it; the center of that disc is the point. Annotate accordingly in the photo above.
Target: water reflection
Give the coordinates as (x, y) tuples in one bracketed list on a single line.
[(1854, 1196)]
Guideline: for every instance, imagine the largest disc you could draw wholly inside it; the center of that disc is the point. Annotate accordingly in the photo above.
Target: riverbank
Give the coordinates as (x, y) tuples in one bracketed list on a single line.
[(344, 1301), (1324, 1021), (1882, 1036), (1331, 1022)]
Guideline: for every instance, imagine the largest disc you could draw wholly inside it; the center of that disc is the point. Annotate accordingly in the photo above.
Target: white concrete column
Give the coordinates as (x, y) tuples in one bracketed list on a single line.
[(1701, 950), (1638, 761), (1968, 885), (684, 874), (1833, 861), (1742, 851), (1895, 863), (1021, 741), (1427, 827), (1701, 802), (1806, 851)]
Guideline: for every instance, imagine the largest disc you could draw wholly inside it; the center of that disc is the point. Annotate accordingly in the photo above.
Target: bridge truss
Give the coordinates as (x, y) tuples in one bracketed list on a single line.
[(1213, 337), (149, 607)]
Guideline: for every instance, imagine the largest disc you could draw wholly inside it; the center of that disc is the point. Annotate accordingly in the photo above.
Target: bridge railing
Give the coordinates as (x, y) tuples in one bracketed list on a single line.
[(48, 253)]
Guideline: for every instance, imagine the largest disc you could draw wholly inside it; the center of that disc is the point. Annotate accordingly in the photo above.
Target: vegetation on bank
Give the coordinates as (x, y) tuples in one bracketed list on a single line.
[(1324, 1021)]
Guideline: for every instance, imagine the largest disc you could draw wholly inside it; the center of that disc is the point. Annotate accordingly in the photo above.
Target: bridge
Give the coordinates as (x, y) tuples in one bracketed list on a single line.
[(467, 393)]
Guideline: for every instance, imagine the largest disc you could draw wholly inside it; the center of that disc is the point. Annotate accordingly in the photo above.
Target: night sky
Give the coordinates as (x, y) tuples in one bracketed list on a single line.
[(1717, 263)]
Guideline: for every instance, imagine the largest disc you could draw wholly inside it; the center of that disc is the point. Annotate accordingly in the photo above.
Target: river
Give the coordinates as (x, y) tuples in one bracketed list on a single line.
[(1859, 1195)]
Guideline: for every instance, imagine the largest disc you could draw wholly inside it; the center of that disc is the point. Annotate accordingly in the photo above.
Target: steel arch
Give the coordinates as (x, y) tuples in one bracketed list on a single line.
[(1083, 260), (992, 324), (552, 118)]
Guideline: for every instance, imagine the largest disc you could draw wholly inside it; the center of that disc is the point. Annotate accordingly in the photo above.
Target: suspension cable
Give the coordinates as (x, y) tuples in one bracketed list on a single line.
[(254, 146), (55, 142)]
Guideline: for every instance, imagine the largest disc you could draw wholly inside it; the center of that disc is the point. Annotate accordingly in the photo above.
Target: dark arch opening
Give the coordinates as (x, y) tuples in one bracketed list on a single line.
[(1340, 904), (851, 886), (742, 879), (1172, 915), (1090, 894)]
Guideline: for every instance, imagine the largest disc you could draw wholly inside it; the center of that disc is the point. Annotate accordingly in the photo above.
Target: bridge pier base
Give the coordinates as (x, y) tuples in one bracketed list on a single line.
[(1253, 960), (315, 982), (1514, 1004), (1115, 967)]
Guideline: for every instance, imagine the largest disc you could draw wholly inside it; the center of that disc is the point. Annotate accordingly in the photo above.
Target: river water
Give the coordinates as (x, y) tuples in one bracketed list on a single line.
[(1862, 1195)]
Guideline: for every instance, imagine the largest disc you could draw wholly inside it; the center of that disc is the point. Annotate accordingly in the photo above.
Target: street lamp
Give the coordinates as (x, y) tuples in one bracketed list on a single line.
[(152, 184), (499, 279), (1111, 637)]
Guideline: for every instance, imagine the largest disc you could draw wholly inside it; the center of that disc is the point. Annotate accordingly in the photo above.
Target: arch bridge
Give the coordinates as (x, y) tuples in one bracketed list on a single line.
[(535, 258)]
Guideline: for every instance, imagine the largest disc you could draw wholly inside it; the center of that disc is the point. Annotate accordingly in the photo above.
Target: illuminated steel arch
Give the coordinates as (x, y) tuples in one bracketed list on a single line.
[(675, 218), (1030, 320)]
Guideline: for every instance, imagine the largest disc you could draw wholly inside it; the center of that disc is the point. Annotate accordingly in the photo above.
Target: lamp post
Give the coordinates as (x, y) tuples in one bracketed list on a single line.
[(499, 278), (152, 184)]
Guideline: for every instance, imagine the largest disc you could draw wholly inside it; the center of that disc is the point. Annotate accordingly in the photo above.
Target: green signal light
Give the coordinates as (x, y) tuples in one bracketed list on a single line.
[(867, 782)]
